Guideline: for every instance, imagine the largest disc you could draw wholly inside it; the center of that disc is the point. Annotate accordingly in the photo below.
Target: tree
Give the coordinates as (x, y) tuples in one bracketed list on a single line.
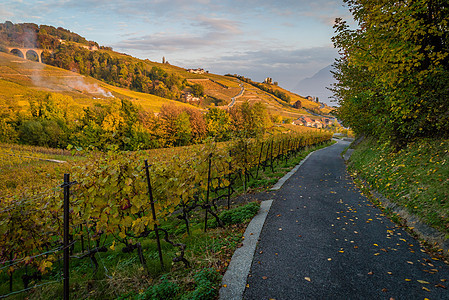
[(249, 120), (218, 123), (183, 132), (197, 90), (393, 74), (297, 104)]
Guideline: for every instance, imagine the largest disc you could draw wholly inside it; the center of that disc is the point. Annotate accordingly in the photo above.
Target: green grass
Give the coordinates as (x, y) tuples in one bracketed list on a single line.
[(415, 178)]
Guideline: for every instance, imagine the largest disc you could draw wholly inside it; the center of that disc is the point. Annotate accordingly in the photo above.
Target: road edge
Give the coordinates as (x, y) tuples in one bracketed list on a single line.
[(234, 280), (287, 176)]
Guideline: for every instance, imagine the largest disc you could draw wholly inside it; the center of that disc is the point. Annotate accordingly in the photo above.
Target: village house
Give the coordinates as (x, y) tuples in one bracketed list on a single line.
[(268, 80), (197, 71), (317, 124), (298, 122), (309, 122), (188, 97), (91, 48)]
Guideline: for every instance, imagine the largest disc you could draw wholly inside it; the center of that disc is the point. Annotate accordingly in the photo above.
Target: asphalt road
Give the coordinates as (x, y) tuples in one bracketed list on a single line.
[(242, 89), (322, 239)]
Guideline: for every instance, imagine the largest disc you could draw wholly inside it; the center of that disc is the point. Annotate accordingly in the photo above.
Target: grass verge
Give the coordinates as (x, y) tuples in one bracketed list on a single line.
[(415, 179)]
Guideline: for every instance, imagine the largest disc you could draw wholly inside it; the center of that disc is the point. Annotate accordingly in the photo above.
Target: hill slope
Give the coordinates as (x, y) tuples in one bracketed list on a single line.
[(71, 51), (20, 78)]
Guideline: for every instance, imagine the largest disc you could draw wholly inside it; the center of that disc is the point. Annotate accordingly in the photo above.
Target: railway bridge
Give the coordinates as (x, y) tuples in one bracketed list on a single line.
[(27, 52)]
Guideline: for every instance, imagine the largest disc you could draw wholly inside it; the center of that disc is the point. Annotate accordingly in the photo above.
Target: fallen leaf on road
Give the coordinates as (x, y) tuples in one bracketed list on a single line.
[(307, 278), (376, 254), (426, 289), (280, 228), (376, 245), (247, 285), (440, 285), (264, 277), (389, 273), (406, 279), (410, 262), (423, 282), (370, 273), (329, 259), (384, 290), (225, 285)]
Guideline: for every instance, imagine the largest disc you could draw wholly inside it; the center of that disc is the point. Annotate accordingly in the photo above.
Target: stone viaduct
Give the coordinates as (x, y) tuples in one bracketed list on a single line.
[(22, 52)]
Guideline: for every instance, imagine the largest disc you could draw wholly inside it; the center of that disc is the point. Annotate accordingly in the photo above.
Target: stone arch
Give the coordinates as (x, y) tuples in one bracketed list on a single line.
[(31, 54), (17, 52), (27, 53)]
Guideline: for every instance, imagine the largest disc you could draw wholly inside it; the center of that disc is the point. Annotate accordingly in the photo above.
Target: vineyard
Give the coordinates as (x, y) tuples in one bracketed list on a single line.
[(154, 205)]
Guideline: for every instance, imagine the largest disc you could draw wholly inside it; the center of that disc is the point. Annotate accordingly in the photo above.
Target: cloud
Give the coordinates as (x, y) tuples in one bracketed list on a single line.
[(219, 25), (287, 67), (255, 38), (281, 57), (211, 31)]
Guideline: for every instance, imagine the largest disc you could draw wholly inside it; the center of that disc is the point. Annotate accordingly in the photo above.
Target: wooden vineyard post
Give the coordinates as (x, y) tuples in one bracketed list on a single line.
[(10, 275), (66, 257), (229, 179), (260, 157), (153, 212), (207, 192)]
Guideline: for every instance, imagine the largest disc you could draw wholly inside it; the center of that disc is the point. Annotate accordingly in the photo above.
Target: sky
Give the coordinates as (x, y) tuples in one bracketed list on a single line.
[(287, 40)]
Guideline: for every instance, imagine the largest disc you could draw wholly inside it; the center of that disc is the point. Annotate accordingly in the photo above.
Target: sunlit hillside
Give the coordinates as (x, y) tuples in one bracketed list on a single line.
[(21, 78)]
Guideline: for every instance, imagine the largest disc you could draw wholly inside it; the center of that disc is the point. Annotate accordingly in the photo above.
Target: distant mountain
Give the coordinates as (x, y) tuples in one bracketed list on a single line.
[(316, 85)]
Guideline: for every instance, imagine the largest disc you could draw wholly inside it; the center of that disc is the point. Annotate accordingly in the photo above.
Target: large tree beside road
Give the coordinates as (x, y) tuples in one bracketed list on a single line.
[(393, 72)]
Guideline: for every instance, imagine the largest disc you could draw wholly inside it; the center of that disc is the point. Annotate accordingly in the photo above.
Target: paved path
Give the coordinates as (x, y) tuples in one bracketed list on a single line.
[(242, 90), (323, 240)]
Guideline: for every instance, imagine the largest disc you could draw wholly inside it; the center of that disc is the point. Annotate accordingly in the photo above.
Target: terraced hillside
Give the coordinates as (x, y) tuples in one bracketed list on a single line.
[(21, 78), (31, 76)]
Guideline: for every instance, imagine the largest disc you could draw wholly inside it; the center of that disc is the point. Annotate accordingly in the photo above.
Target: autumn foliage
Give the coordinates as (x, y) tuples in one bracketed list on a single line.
[(55, 120), (393, 73)]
